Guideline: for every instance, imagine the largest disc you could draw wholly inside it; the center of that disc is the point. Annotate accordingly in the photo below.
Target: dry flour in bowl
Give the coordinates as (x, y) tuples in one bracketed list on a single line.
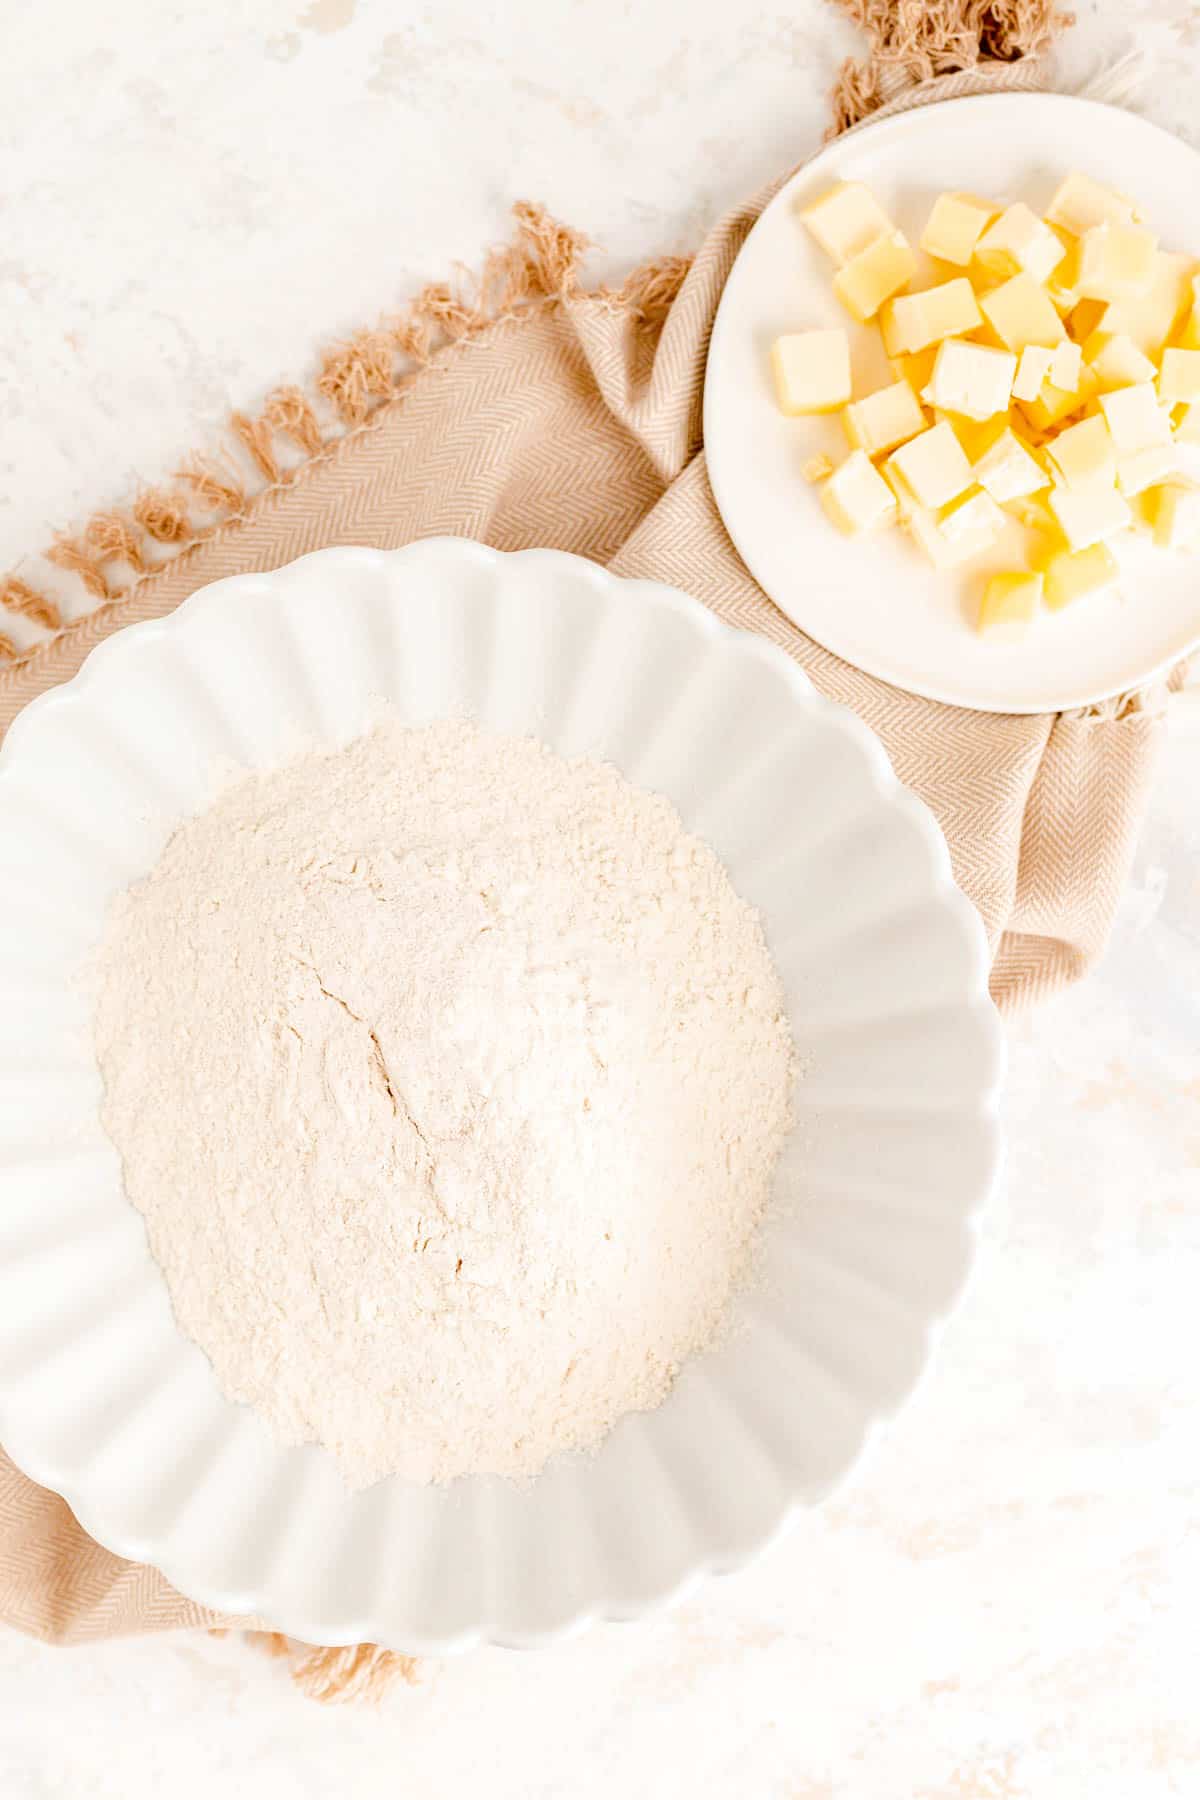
[(450, 1078)]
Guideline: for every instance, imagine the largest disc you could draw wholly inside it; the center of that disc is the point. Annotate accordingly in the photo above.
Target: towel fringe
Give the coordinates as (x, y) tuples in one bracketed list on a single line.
[(119, 547), (914, 40), (335, 1676)]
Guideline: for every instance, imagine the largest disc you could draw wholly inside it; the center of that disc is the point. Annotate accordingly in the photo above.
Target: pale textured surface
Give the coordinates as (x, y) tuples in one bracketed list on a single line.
[(450, 1077), (1003, 1606)]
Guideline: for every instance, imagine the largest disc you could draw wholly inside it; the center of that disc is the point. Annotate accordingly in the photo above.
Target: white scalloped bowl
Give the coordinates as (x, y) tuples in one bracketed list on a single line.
[(871, 1233)]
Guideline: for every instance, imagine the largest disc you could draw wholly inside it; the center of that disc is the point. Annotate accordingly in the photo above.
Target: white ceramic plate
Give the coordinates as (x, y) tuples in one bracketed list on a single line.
[(885, 967), (876, 601)]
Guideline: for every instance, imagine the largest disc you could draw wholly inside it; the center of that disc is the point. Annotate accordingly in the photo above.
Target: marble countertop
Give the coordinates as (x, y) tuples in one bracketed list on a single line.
[(1002, 1604)]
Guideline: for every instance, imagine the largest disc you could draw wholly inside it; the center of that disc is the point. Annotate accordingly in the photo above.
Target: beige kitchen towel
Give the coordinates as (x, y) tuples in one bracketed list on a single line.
[(527, 411)]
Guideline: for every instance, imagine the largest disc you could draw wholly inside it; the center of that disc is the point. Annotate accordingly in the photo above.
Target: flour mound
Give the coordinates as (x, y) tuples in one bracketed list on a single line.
[(449, 1078)]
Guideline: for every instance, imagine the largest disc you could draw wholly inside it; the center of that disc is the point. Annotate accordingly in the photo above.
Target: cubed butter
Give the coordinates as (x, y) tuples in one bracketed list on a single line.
[(1021, 312), (915, 321), (915, 368), (906, 506), (1089, 515), (856, 497), (874, 275), (1019, 241), (1009, 599), (1085, 318), (817, 468), (1140, 507), (971, 379), (1151, 318), (1033, 511), (1116, 361), (1051, 407), (975, 435), (1175, 515), (1071, 574), (1066, 367), (1081, 203), (1032, 370), (1138, 470), (1186, 457), (1116, 262), (1179, 379), (812, 371), (974, 520), (1189, 336), (1083, 456), (880, 421), (1135, 418), (933, 466), (846, 220), (1187, 424), (958, 532), (955, 226), (1063, 284), (1007, 471)]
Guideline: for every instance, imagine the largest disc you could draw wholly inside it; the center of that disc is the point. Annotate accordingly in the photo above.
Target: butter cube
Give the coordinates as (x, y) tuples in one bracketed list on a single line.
[(958, 532), (846, 220), (894, 332), (874, 275), (1175, 514), (1085, 318), (1066, 367), (817, 468), (1032, 370), (1116, 361), (915, 321), (1089, 515), (880, 421), (1020, 313), (1007, 471), (1073, 573), (1186, 458), (1062, 284), (1189, 337), (1140, 507), (955, 226), (916, 368), (1138, 470), (1083, 456), (906, 506), (1180, 377), (970, 524), (1050, 408), (971, 379), (1150, 318), (1081, 203), (1009, 599), (1019, 241), (933, 466), (975, 435), (856, 497), (1187, 424), (1033, 511), (1116, 262), (812, 371), (1135, 418)]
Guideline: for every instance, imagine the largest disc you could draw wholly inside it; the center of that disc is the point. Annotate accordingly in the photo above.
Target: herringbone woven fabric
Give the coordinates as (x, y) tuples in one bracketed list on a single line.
[(575, 421)]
